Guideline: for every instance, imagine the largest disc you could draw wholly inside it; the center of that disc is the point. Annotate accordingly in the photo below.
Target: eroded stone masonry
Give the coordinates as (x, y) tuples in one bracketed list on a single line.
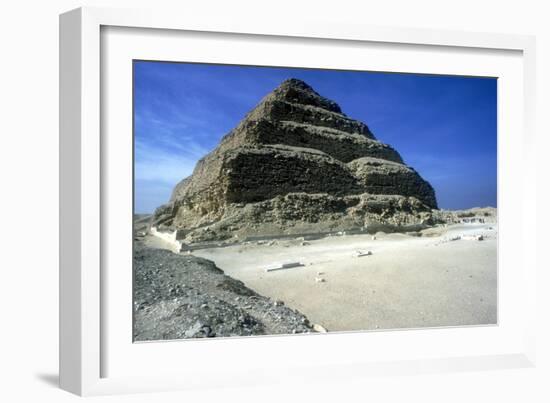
[(296, 164)]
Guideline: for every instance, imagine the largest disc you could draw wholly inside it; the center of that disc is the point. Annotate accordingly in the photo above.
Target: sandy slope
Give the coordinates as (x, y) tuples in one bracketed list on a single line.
[(407, 281)]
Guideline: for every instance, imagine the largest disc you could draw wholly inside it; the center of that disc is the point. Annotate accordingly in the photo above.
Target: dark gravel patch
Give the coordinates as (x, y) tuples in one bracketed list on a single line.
[(183, 296)]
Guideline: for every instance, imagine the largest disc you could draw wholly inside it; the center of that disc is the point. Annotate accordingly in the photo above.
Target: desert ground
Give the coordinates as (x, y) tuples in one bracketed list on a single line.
[(442, 276)]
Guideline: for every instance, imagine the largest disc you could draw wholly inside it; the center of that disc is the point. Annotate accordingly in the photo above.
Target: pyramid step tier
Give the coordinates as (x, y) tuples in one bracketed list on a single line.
[(279, 110), (251, 174), (303, 214), (338, 144)]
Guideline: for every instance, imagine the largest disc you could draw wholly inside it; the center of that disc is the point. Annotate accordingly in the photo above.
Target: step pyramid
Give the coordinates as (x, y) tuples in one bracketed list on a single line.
[(296, 164)]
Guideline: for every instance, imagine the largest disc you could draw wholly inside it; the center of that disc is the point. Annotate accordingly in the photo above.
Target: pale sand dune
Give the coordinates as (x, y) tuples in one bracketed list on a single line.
[(407, 282)]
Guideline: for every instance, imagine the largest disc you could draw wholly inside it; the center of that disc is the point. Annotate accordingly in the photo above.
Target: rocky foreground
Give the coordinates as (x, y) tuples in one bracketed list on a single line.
[(180, 296)]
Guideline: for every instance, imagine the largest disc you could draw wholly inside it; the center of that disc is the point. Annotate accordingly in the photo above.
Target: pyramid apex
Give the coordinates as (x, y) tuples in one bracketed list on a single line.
[(298, 91), (297, 83)]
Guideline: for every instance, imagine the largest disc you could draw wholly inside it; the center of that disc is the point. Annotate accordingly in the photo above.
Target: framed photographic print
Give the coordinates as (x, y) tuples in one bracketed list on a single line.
[(289, 201)]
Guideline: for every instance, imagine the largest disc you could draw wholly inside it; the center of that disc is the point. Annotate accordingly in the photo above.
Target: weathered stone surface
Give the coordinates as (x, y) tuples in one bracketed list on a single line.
[(380, 176), (296, 164), (339, 144), (281, 170), (298, 214)]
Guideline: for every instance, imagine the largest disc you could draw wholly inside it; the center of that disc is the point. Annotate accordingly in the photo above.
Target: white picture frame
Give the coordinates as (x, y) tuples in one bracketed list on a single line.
[(87, 343)]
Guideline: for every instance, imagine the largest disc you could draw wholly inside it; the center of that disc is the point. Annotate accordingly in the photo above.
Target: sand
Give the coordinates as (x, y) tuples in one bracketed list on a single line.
[(407, 281)]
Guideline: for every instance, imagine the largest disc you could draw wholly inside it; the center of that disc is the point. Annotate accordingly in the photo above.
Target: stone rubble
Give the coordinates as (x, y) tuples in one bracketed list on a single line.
[(178, 296)]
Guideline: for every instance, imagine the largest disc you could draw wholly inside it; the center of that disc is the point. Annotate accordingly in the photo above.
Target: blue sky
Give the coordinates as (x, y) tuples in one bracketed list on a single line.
[(443, 126)]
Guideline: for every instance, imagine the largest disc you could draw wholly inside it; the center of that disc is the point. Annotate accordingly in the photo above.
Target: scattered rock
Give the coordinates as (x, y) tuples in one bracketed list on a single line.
[(360, 253), (319, 329), (282, 266), (472, 237)]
